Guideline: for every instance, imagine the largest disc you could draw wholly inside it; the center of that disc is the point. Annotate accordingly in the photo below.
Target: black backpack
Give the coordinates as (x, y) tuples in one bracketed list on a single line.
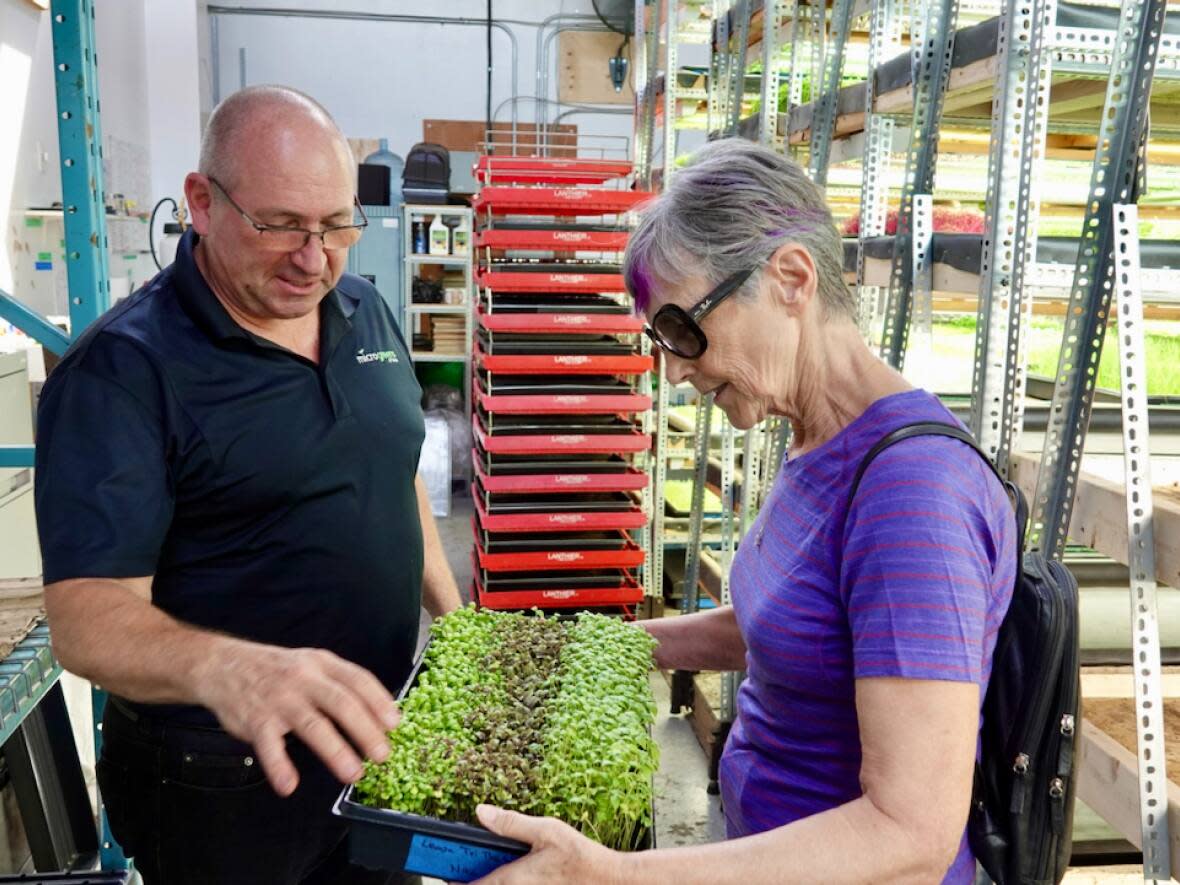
[(426, 177), (1021, 820)]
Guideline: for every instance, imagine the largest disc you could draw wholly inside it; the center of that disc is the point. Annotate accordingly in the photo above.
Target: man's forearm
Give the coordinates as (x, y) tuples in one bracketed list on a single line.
[(702, 641), (105, 632), (440, 593)]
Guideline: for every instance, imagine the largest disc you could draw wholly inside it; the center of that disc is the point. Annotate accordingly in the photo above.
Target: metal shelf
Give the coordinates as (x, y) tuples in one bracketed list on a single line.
[(437, 308), (28, 672), (446, 260)]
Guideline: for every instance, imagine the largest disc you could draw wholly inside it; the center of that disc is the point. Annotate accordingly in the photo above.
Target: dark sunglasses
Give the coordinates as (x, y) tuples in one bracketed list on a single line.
[(676, 329)]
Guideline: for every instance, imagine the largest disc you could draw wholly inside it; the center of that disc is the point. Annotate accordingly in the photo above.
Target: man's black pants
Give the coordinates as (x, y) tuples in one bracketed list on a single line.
[(191, 805)]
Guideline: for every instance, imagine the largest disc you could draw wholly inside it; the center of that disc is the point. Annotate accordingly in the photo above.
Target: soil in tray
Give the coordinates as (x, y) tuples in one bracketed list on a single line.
[(550, 385), (586, 267), (498, 465), (517, 425), (533, 542), (1116, 717), (561, 502), (558, 302), (506, 581), (521, 344)]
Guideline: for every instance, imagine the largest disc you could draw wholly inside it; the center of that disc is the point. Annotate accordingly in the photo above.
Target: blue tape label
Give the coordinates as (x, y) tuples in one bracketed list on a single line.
[(43, 265), (456, 861)]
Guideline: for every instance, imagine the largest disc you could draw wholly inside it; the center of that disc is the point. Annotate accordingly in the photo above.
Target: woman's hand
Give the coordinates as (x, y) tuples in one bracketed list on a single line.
[(560, 853)]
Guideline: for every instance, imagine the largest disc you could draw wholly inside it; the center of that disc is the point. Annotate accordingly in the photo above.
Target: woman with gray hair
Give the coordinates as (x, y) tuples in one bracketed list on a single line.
[(865, 623)]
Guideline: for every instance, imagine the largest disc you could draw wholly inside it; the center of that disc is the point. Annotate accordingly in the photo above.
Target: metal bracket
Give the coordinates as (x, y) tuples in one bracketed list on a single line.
[(1149, 705), (1112, 180)]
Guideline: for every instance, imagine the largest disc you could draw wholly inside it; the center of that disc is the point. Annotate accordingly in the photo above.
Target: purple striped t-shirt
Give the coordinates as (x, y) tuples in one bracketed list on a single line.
[(911, 582)]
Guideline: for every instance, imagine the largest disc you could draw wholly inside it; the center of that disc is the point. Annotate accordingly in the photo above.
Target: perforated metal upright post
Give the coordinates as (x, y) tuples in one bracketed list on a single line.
[(689, 601), (671, 83), (768, 109), (794, 71), (79, 134), (660, 477), (729, 679), (79, 130), (752, 447), (647, 35), (737, 68), (818, 34), (716, 106), (932, 49), (823, 122), (1112, 180), (1019, 128), (878, 144), (1145, 636)]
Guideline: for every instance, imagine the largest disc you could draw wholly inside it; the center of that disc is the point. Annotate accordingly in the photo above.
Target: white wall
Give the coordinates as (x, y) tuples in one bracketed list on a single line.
[(173, 98), (148, 87), (383, 79)]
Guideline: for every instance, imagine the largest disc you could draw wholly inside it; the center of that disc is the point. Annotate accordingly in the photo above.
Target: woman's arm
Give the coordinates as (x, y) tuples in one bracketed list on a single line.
[(918, 745), (703, 641)]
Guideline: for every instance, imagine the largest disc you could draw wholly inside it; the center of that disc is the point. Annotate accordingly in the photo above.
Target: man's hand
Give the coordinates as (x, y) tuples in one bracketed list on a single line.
[(261, 693)]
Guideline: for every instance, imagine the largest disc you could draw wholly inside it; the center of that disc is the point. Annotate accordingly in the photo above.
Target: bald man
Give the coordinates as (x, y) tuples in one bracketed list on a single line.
[(235, 541)]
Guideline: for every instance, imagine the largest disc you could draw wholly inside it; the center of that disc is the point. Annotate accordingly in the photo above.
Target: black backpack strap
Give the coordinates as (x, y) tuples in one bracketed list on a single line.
[(937, 428)]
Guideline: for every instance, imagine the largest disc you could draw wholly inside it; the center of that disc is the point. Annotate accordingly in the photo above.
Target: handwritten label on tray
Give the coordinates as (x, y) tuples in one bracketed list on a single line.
[(456, 861)]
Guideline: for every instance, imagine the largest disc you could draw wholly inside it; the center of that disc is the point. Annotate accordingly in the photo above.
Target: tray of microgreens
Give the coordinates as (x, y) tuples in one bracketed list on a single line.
[(538, 715)]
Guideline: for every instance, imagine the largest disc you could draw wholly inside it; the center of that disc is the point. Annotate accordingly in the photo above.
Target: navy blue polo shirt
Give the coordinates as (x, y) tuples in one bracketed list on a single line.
[(271, 498)]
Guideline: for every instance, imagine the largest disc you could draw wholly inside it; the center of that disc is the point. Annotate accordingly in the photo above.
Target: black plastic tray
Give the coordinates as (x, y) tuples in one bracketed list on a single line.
[(383, 839), (77, 877)]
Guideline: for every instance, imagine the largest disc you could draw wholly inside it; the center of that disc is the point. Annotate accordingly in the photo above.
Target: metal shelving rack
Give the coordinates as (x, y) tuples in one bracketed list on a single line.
[(413, 313), (1011, 93), (33, 720)]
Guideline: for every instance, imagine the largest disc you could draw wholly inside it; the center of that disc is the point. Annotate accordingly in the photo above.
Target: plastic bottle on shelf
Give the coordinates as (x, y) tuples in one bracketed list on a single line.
[(440, 237), (460, 238), (383, 156), (420, 241)]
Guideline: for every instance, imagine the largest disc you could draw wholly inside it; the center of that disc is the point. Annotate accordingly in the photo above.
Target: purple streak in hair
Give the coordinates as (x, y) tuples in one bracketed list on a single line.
[(638, 282)]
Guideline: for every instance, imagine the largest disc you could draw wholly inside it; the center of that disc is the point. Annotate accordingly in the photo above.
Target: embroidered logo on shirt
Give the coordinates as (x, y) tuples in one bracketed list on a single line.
[(377, 356)]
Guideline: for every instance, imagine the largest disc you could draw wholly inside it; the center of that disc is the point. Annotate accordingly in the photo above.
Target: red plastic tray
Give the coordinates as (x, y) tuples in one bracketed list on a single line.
[(547, 169), (626, 593), (553, 240), (557, 200), (564, 521), (510, 281), (560, 443), (570, 323), (563, 364), (629, 480), (559, 560)]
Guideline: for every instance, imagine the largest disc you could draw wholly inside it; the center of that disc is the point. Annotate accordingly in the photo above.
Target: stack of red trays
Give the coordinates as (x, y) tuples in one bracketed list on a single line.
[(556, 398)]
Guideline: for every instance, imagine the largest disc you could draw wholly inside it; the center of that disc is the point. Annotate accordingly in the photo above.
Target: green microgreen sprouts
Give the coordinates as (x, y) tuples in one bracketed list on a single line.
[(532, 714)]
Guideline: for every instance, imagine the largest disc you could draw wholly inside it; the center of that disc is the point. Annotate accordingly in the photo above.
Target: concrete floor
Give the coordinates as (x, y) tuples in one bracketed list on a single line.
[(685, 813)]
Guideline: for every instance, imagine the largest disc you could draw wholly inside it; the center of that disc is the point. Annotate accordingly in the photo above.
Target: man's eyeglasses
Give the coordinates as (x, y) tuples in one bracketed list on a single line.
[(281, 238), (676, 329)]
